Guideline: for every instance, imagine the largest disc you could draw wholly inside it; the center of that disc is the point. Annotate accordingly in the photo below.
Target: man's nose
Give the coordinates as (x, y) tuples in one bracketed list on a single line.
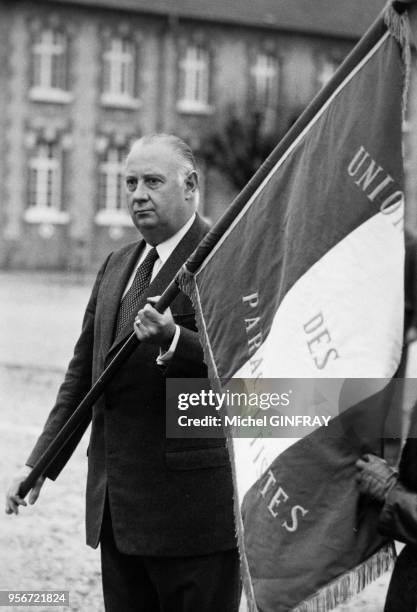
[(141, 193)]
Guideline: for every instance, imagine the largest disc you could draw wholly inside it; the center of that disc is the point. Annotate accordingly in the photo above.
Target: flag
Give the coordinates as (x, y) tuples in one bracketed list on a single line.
[(307, 282)]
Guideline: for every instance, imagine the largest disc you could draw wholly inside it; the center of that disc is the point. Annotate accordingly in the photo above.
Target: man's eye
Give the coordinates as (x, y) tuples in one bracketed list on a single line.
[(131, 184), (152, 182)]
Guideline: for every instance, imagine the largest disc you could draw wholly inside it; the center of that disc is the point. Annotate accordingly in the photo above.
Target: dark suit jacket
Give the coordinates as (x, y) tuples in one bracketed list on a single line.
[(167, 496)]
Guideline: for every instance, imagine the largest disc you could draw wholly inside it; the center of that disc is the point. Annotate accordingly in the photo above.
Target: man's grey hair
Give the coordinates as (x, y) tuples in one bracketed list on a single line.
[(177, 144)]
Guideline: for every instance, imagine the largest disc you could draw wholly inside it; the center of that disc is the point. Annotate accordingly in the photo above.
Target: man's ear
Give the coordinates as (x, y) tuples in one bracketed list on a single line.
[(191, 184)]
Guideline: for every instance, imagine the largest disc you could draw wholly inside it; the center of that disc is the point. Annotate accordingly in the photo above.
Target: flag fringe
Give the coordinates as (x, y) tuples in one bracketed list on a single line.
[(244, 565), (187, 284), (399, 27), (350, 584)]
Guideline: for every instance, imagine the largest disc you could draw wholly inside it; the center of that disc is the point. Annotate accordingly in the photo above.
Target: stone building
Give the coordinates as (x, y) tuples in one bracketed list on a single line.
[(80, 80)]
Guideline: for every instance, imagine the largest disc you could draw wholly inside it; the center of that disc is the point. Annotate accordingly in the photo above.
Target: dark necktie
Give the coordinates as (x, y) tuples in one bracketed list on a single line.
[(141, 281)]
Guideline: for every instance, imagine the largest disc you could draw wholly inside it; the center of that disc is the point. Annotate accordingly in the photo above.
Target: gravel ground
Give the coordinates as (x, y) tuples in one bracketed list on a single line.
[(43, 548)]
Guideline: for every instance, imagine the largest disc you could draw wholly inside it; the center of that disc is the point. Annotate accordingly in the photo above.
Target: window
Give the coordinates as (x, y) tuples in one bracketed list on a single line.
[(326, 71), (112, 191), (49, 55), (45, 185), (265, 80), (44, 178), (194, 76), (119, 72)]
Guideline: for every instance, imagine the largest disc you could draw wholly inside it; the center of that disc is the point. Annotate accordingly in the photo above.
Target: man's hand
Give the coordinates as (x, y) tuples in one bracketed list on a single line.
[(375, 477), (13, 501), (153, 326), (411, 335)]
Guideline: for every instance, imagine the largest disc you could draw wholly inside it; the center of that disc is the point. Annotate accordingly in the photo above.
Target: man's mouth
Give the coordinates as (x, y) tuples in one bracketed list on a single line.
[(143, 211)]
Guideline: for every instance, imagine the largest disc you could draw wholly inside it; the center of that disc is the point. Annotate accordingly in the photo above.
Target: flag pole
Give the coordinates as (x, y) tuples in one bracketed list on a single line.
[(82, 414)]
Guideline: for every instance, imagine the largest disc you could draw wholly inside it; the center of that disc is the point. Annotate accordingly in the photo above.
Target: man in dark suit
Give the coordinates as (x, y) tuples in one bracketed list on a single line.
[(160, 508)]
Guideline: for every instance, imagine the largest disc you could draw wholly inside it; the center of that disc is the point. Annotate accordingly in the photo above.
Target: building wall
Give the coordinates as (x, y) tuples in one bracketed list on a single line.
[(5, 29), (85, 127)]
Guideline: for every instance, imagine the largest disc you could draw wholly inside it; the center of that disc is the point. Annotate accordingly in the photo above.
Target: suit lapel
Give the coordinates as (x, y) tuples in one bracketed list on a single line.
[(165, 275)]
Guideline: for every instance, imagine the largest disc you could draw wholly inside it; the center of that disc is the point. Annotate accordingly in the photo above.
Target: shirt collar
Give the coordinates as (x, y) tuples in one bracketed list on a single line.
[(165, 249)]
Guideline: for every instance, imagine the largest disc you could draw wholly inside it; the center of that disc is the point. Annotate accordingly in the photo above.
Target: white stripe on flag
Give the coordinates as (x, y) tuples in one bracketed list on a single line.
[(359, 278)]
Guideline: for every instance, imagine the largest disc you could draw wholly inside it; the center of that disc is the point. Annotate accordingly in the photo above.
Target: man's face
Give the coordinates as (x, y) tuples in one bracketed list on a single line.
[(159, 196)]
